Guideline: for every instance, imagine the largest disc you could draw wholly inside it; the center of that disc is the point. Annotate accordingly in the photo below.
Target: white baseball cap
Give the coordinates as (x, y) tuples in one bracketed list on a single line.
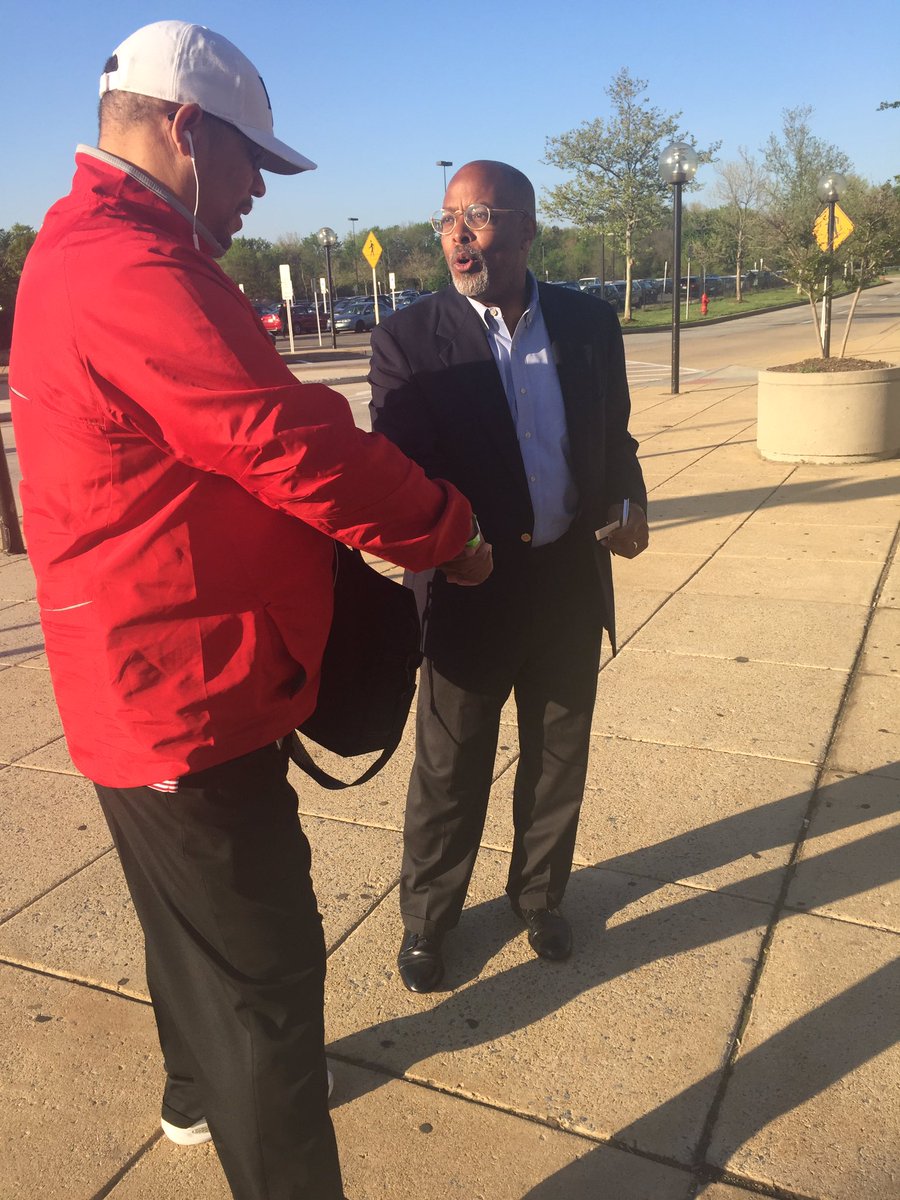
[(190, 64)]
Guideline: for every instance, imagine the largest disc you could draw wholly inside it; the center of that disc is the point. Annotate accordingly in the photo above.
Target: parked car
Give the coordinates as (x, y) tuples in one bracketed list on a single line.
[(649, 289), (608, 293), (760, 280), (303, 319), (270, 315), (696, 287), (359, 318), (637, 295)]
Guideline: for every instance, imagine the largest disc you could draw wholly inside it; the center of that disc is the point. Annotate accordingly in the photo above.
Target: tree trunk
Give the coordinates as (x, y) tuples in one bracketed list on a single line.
[(816, 326), (626, 315), (850, 320), (739, 264)]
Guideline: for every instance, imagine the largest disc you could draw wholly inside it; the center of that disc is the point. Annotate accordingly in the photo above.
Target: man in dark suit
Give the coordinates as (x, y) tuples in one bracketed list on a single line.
[(516, 392)]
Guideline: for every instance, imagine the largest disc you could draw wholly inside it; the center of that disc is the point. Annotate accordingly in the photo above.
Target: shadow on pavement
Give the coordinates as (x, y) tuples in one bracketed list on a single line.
[(851, 1028)]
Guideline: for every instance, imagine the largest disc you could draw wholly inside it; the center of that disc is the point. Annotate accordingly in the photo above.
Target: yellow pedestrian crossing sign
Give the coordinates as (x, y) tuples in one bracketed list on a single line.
[(843, 227), (372, 250)]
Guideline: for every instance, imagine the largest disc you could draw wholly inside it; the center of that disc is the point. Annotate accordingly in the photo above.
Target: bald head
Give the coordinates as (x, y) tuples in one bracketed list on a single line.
[(505, 181)]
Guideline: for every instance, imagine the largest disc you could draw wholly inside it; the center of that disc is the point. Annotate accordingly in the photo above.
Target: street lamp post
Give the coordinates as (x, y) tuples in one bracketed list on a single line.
[(328, 238), (353, 221), (442, 162), (829, 189), (677, 166)]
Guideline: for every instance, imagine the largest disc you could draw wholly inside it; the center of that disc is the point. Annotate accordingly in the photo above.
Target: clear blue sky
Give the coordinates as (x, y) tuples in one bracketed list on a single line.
[(376, 93)]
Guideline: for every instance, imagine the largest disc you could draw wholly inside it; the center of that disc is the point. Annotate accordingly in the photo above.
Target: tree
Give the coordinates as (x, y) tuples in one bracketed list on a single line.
[(15, 244), (876, 215), (797, 159), (741, 187), (253, 263), (617, 186)]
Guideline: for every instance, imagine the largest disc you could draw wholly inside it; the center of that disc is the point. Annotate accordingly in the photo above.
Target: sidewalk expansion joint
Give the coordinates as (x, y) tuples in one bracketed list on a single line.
[(743, 753), (116, 1179), (373, 907), (53, 886), (703, 564), (509, 1110), (90, 985), (754, 1187)]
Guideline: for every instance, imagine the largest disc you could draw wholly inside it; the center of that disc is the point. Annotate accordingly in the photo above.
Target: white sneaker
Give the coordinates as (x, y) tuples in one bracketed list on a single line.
[(198, 1133), (194, 1135)]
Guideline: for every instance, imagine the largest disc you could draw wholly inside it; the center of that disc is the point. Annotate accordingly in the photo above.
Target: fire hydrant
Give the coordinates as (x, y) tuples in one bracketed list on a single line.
[(704, 304)]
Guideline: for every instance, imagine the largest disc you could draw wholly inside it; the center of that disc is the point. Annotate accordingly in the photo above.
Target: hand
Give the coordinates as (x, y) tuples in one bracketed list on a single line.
[(471, 567), (632, 538)]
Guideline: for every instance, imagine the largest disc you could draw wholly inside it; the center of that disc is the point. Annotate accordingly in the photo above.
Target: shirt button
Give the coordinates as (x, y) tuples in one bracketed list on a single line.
[(526, 537), (495, 312), (528, 435), (532, 478), (523, 391)]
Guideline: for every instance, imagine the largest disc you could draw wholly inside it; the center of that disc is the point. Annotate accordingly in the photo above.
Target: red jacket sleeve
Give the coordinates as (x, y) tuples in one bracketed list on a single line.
[(202, 382)]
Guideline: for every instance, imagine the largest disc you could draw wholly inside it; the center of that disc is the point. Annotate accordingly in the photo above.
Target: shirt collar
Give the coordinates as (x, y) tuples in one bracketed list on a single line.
[(157, 188), (488, 314)]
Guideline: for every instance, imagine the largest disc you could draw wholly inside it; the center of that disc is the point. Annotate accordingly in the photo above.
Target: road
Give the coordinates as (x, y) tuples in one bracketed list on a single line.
[(766, 340)]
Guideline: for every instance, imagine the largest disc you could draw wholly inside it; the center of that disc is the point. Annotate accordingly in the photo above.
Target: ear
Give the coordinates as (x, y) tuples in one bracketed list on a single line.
[(187, 119), (529, 232)]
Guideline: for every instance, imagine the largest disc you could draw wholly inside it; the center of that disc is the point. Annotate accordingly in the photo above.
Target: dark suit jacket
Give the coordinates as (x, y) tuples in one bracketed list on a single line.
[(437, 393)]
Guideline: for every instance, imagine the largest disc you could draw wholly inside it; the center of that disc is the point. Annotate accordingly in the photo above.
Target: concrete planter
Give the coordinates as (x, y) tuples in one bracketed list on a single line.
[(829, 417)]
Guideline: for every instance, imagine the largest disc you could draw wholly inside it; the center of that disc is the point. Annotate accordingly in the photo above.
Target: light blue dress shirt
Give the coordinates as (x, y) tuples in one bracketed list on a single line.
[(525, 362)]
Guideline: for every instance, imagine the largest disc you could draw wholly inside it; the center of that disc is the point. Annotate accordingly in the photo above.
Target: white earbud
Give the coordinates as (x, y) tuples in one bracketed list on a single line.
[(190, 142)]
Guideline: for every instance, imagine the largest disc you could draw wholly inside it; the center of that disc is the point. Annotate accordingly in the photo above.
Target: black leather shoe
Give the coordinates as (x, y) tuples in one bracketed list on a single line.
[(419, 961), (549, 933)]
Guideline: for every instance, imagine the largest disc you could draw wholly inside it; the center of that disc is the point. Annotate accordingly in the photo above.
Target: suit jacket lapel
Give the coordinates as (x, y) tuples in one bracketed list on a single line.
[(463, 348)]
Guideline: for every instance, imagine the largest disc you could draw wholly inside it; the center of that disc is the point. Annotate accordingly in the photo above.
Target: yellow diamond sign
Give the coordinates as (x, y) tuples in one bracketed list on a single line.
[(372, 250), (843, 227)]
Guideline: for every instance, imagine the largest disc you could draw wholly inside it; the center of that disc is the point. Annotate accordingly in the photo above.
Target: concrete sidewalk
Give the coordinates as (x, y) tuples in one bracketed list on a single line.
[(728, 1024)]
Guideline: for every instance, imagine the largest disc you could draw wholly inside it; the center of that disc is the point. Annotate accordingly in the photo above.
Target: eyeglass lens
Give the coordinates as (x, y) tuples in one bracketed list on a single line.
[(476, 216)]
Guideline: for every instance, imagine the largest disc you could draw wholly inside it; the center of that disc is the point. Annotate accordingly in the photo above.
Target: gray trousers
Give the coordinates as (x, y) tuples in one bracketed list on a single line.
[(547, 656)]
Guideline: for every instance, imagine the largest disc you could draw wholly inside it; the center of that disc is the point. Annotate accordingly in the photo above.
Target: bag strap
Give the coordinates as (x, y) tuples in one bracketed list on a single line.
[(304, 760)]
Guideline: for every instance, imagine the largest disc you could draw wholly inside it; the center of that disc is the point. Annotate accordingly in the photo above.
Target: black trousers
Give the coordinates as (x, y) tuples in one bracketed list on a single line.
[(219, 876), (545, 648)]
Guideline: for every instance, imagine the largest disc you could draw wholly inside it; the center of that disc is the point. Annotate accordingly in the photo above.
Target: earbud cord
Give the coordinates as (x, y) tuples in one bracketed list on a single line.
[(196, 198)]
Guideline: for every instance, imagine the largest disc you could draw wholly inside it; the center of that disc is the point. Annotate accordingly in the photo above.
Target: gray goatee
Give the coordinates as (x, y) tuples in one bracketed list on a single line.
[(475, 284)]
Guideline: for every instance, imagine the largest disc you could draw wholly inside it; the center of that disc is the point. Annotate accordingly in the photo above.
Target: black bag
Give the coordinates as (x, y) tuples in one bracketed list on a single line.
[(368, 670)]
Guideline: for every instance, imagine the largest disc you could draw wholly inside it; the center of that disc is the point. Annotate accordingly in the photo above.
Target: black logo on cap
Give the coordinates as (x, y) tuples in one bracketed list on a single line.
[(266, 90)]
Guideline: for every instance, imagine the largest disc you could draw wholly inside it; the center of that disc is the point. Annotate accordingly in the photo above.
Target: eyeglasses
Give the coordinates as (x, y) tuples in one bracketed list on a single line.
[(476, 216)]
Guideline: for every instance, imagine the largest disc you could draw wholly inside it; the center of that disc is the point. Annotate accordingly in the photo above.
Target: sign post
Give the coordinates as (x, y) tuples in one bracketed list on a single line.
[(323, 288), (832, 227), (372, 253), (10, 532), (287, 295)]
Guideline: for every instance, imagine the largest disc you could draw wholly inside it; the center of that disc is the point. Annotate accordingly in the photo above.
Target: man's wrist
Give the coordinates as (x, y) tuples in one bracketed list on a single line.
[(476, 539)]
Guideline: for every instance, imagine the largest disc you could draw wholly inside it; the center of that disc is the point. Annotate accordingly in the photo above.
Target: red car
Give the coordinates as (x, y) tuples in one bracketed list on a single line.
[(303, 319)]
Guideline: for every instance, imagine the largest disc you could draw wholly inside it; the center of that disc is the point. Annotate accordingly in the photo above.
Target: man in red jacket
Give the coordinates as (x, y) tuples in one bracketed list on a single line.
[(180, 493)]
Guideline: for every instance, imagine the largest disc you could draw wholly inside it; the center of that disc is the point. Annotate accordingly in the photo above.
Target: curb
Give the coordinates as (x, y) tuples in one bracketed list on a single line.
[(738, 316)]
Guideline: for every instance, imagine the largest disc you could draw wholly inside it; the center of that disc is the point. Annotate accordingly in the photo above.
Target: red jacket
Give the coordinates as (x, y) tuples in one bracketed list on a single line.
[(180, 488)]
